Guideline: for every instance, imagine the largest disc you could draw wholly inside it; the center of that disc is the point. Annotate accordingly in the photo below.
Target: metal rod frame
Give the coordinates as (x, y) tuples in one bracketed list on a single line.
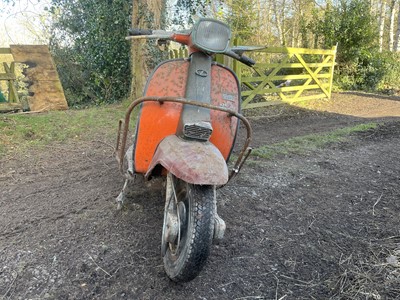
[(124, 126)]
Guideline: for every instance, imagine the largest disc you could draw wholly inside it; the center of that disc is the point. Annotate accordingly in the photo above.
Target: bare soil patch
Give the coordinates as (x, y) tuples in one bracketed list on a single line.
[(319, 225)]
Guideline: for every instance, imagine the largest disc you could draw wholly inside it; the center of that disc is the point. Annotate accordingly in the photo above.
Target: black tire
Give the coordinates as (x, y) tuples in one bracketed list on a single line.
[(185, 258)]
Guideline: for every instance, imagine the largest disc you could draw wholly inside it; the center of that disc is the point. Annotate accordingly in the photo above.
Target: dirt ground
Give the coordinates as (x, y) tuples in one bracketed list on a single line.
[(320, 225)]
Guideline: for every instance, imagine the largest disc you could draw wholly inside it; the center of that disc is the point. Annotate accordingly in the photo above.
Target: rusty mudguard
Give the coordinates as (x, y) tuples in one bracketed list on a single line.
[(192, 161)]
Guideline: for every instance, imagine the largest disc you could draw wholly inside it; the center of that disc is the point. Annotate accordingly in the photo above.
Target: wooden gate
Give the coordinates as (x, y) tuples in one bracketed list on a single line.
[(13, 102), (281, 75), (284, 74)]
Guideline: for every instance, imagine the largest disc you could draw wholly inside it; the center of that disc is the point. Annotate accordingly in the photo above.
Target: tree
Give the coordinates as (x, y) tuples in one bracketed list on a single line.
[(382, 18), (241, 17), (280, 20), (186, 11), (148, 14), (391, 23), (88, 43), (397, 37), (351, 26)]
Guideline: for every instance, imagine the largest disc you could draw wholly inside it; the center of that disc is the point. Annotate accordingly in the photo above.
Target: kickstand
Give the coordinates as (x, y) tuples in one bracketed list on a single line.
[(126, 189)]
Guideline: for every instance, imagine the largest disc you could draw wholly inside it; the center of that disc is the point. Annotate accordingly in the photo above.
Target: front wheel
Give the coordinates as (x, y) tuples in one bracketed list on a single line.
[(188, 228)]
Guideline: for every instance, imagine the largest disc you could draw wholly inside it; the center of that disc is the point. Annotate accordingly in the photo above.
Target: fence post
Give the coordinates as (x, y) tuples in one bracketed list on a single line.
[(331, 71), (12, 91), (236, 66)]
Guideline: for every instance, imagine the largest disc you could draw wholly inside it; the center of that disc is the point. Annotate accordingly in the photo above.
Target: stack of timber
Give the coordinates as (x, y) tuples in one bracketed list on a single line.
[(45, 90)]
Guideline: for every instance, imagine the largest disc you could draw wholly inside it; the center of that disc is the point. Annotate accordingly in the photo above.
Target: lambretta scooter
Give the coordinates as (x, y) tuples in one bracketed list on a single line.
[(186, 129)]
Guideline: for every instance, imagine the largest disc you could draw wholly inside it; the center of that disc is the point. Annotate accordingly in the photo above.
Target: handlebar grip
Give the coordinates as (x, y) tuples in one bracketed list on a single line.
[(247, 61), (139, 31)]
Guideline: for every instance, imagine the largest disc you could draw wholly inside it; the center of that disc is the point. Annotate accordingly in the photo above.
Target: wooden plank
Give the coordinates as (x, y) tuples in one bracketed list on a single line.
[(46, 101), (284, 77), (13, 97), (219, 58), (237, 68), (331, 72), (46, 92), (266, 80), (28, 50), (46, 87), (9, 107), (5, 51), (37, 60), (289, 100), (7, 76), (326, 59), (313, 75), (40, 73), (290, 50), (285, 89), (292, 65)]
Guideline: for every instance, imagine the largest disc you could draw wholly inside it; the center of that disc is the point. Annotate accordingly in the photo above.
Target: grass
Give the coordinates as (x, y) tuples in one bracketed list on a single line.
[(303, 144), (21, 132)]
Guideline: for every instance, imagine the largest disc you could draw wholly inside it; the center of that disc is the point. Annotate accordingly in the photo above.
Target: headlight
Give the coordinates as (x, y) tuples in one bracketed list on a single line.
[(211, 35)]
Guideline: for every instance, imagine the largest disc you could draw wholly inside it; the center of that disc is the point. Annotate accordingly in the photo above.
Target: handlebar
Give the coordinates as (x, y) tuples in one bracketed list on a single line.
[(235, 52), (247, 61), (242, 58), (139, 31)]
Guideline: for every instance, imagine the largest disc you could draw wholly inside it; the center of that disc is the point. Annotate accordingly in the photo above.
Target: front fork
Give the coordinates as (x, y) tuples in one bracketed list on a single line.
[(219, 224)]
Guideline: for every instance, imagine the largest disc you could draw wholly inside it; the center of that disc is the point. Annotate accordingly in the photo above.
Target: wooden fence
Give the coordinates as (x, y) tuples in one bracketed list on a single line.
[(282, 74), (10, 77), (13, 101)]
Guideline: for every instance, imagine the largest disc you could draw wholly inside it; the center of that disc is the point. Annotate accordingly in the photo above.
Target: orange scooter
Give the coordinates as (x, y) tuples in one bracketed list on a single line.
[(186, 130)]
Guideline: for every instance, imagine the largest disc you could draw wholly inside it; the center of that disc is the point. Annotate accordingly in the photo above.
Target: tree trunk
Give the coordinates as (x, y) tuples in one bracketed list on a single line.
[(391, 23), (372, 7), (147, 14), (382, 24), (279, 12), (136, 55), (397, 38)]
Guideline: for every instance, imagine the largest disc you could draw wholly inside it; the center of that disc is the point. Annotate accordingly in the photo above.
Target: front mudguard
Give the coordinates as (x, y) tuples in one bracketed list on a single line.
[(192, 161)]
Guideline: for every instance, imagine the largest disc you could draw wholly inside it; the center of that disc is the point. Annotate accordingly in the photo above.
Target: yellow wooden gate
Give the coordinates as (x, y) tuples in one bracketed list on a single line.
[(282, 74), (297, 74)]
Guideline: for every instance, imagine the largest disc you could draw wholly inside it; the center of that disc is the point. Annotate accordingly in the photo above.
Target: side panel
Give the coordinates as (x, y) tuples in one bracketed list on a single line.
[(224, 93), (156, 120), (160, 120)]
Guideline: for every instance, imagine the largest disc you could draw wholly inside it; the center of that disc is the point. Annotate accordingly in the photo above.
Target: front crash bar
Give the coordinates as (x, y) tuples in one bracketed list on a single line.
[(124, 126)]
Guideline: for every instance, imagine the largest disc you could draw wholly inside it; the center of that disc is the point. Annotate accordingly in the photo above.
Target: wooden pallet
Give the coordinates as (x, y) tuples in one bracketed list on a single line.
[(45, 90)]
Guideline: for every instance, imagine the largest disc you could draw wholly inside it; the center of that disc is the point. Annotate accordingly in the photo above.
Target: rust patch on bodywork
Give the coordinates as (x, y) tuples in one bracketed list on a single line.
[(192, 161)]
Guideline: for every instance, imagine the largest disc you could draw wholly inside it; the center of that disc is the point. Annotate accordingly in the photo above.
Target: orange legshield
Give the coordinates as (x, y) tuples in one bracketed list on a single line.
[(161, 108)]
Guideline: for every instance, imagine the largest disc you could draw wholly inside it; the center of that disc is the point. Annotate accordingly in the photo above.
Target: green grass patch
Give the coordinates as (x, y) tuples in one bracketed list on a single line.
[(311, 142), (28, 131)]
